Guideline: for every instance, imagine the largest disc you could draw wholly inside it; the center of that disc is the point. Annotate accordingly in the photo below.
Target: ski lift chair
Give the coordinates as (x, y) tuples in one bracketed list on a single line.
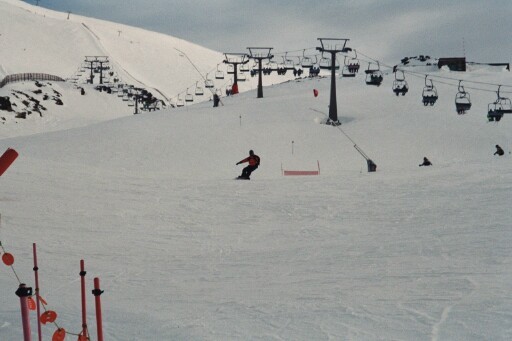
[(374, 75), (219, 74), (400, 86), (189, 97), (241, 77), (429, 93), (288, 63), (180, 102), (353, 64), (462, 100), (326, 64), (346, 71), (231, 69), (208, 83), (501, 106), (494, 112), (244, 67), (306, 61), (199, 90)]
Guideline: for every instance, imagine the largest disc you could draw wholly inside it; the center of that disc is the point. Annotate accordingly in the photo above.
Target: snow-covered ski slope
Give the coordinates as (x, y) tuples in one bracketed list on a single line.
[(186, 253), (35, 39)]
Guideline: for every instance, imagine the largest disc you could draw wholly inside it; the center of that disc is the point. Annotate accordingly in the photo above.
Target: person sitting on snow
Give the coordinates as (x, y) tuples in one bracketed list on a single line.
[(254, 162), (426, 162), (499, 151)]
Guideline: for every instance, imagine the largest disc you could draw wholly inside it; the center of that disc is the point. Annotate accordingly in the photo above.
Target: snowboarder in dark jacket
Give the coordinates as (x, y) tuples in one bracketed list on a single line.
[(426, 162), (499, 151), (254, 162)]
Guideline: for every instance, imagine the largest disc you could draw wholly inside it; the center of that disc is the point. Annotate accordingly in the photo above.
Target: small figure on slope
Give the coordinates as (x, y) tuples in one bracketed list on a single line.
[(499, 151), (216, 100), (426, 162), (254, 162)]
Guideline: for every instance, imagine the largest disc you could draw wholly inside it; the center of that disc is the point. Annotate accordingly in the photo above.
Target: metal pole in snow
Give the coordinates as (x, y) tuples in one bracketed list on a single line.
[(97, 293), (38, 303), (84, 310), (23, 292)]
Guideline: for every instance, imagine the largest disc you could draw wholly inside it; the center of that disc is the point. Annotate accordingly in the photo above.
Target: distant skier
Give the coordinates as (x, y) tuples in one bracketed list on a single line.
[(499, 151), (426, 162), (254, 162), (216, 100)]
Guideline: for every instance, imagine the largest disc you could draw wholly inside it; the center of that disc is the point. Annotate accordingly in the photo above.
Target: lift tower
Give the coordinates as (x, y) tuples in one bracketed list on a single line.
[(93, 60), (259, 56), (235, 60), (333, 46)]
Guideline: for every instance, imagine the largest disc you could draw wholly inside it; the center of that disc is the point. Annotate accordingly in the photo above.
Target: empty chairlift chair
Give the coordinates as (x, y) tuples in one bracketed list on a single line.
[(501, 106), (373, 74), (219, 74), (180, 102), (288, 63), (199, 90), (208, 83), (189, 97), (244, 68), (306, 61), (326, 64), (429, 93), (400, 86), (462, 100)]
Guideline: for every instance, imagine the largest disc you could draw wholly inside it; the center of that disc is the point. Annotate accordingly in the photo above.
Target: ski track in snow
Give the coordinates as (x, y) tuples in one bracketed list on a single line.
[(437, 326)]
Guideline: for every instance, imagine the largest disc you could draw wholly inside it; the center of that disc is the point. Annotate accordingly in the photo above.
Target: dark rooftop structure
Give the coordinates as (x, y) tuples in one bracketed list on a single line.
[(454, 64)]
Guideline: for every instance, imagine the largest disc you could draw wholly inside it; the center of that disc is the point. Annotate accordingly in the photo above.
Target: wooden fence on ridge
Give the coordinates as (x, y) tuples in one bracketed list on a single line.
[(21, 77)]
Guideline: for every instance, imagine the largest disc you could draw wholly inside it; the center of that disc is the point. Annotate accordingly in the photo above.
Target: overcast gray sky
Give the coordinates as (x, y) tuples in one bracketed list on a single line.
[(384, 29)]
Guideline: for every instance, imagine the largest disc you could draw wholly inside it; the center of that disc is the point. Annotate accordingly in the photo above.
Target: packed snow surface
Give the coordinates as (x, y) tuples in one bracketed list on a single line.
[(184, 252)]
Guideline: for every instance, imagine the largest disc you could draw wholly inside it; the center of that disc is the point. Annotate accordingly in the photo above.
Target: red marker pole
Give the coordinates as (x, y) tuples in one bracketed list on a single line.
[(97, 293), (84, 311), (7, 159), (23, 292), (37, 292)]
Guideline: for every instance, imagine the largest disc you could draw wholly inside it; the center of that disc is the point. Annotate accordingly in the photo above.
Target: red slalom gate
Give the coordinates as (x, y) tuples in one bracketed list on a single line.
[(301, 172)]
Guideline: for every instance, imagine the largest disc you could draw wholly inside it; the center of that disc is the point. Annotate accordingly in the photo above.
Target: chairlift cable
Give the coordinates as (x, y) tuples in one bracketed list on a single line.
[(195, 67), (359, 150), (436, 76)]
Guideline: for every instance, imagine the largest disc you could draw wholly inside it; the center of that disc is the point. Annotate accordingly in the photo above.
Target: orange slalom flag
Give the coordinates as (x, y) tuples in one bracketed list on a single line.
[(8, 259), (59, 335), (31, 303), (48, 317)]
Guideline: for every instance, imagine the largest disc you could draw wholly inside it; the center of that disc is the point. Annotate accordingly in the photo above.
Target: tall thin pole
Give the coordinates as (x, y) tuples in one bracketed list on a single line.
[(23, 293), (38, 303), (97, 293), (260, 78), (333, 106), (84, 309)]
